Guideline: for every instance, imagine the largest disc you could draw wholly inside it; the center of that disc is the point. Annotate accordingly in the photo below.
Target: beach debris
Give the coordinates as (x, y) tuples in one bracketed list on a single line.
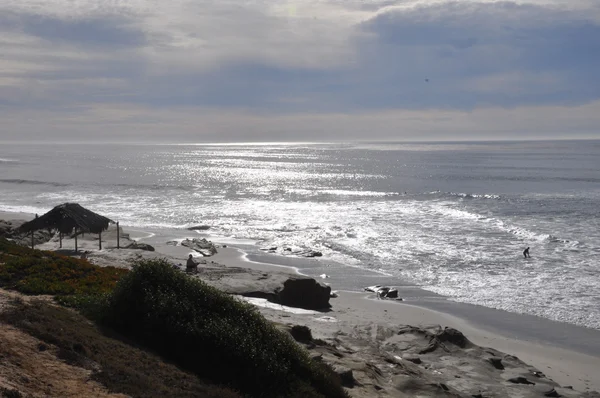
[(382, 291), (372, 288)]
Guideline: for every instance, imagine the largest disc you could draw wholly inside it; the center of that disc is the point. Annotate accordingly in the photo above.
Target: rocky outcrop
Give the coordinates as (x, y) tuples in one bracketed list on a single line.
[(199, 228), (202, 246), (305, 293), (281, 288), (309, 253), (140, 246), (8, 229)]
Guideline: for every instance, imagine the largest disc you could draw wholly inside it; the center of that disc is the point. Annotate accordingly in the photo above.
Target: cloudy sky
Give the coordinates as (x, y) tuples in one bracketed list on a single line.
[(247, 70)]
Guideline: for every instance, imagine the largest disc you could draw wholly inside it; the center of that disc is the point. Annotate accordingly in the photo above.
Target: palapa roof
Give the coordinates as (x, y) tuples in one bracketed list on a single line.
[(66, 218)]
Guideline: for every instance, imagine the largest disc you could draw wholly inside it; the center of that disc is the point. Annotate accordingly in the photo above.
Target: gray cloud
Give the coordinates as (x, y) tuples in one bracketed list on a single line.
[(335, 59), (101, 32)]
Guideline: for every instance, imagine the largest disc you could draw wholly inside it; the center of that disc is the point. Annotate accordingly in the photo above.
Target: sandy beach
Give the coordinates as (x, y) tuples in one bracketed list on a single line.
[(369, 330)]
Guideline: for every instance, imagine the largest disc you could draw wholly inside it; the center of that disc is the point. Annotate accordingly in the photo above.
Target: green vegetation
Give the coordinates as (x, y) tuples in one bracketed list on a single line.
[(40, 272), (121, 367), (209, 334), (214, 335)]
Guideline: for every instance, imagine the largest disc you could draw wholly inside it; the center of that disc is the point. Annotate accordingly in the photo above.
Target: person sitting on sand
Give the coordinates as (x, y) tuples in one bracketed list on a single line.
[(526, 253), (191, 265)]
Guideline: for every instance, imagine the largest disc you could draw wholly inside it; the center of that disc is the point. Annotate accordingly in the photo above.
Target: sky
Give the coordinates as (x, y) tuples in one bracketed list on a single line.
[(313, 70)]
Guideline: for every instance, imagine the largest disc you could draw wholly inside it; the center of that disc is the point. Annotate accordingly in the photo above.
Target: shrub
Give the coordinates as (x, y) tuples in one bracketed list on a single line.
[(213, 334), (42, 272)]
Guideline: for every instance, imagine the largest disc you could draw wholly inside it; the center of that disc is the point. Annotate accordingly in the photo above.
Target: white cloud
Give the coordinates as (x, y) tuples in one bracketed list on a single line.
[(320, 64)]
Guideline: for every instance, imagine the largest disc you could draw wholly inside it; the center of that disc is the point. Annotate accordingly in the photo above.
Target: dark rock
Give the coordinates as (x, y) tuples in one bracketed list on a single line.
[(199, 228), (430, 348), (316, 356), (313, 254), (393, 293), (288, 249), (453, 336), (305, 293), (497, 363), (301, 333), (346, 376), (42, 347), (277, 287), (140, 246), (520, 380), (551, 393), (413, 359)]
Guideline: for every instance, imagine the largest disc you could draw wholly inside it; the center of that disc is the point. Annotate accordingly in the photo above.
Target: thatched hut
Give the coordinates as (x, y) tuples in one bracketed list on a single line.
[(69, 218)]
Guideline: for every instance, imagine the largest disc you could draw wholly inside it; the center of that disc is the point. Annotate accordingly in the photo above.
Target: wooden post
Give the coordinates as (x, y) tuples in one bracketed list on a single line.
[(32, 243), (100, 240), (60, 239), (118, 237), (75, 239)]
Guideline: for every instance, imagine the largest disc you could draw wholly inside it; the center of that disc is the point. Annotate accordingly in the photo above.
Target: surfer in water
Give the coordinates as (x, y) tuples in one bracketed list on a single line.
[(526, 253)]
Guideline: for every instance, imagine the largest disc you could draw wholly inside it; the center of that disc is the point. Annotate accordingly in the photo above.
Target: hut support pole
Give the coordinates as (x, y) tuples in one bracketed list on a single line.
[(100, 240), (32, 239), (60, 239), (118, 237), (75, 240)]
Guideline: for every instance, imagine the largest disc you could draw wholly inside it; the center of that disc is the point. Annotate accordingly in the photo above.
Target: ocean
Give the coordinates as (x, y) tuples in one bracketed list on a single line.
[(451, 218)]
